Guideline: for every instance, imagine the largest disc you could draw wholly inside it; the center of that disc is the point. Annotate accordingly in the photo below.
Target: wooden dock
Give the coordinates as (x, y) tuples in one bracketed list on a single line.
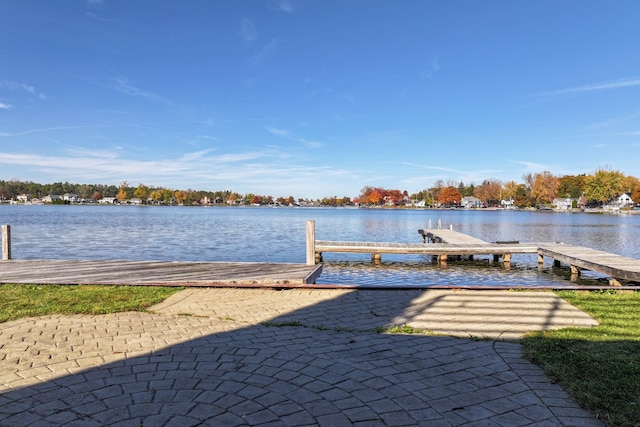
[(449, 236), (442, 251), (619, 268), (450, 243), (157, 273), (165, 273)]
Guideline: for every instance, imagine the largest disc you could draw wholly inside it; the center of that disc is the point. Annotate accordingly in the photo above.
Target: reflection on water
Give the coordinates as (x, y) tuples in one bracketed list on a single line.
[(278, 235), (481, 273)]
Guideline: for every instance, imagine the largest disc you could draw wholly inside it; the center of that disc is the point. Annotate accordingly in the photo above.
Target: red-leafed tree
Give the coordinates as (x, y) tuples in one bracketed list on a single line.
[(449, 196), (376, 197)]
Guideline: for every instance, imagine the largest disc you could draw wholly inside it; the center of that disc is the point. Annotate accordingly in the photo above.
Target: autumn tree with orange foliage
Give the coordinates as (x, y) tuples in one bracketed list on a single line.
[(545, 187), (489, 192), (378, 195), (632, 185), (122, 192), (449, 196)]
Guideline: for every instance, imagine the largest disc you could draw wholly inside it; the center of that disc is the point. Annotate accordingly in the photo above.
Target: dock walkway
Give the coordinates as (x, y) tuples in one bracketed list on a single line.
[(449, 236), (446, 243), (157, 273), (618, 267), (449, 243)]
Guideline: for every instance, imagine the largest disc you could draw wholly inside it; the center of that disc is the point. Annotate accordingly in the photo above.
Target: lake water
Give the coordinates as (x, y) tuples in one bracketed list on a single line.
[(251, 234)]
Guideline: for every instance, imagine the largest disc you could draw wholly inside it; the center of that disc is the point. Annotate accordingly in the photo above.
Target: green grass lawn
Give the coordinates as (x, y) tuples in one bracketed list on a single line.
[(18, 301), (599, 366)]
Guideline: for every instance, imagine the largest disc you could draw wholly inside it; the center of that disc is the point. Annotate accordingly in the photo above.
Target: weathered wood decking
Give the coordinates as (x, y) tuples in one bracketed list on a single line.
[(452, 243), (449, 236), (440, 250), (618, 267), (448, 243), (158, 273)]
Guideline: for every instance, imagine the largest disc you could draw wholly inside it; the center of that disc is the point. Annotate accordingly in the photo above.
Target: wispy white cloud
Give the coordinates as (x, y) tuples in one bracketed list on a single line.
[(123, 85), (260, 172), (615, 84), (437, 168), (467, 176), (30, 131), (248, 30), (207, 137), (97, 17), (24, 87), (284, 6), (349, 99), (267, 50), (531, 166), (319, 92), (189, 157), (4, 106), (105, 164), (614, 121), (292, 137), (432, 68), (56, 128)]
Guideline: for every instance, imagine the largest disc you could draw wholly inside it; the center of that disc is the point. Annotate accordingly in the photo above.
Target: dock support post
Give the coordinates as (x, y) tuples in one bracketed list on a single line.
[(574, 270), (311, 242), (540, 259), (6, 242), (376, 258)]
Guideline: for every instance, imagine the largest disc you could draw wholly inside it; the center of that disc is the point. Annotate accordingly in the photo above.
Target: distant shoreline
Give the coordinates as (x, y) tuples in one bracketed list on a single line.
[(226, 206)]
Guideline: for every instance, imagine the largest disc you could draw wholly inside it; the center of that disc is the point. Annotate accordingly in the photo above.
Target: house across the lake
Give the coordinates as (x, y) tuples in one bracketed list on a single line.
[(507, 203), (622, 201), (565, 203), (471, 202)]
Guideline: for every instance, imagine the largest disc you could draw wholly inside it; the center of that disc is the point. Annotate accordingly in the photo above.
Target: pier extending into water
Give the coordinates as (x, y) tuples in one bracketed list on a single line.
[(448, 244), (158, 273), (152, 273)]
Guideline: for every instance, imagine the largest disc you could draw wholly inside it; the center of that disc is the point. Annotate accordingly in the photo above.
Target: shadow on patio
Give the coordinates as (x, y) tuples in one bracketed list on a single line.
[(291, 357)]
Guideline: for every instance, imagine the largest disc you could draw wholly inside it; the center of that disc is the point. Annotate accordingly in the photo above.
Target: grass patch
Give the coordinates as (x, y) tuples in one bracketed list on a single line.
[(296, 323), (282, 324), (404, 329), (599, 366), (17, 301)]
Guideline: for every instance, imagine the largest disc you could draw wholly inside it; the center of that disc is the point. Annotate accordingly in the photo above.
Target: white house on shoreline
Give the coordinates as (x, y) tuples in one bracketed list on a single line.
[(621, 202)]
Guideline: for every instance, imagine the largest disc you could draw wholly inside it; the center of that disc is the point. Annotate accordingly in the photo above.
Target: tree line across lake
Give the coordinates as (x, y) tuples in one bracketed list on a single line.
[(536, 189)]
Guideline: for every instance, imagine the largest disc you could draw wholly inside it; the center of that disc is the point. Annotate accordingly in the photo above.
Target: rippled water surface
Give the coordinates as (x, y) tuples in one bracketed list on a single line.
[(278, 235)]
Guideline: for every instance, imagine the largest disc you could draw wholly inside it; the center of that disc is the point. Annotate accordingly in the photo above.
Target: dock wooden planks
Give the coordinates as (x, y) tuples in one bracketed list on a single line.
[(618, 267), (158, 273), (452, 243), (449, 236), (448, 243), (424, 249)]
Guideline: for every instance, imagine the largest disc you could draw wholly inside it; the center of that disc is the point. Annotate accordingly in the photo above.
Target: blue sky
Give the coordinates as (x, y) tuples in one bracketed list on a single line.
[(315, 98)]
